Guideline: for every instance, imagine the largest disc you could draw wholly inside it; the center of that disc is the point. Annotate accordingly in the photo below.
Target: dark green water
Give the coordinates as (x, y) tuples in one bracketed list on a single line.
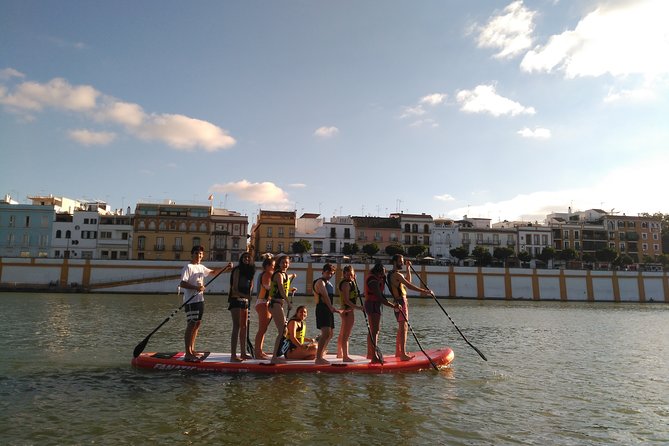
[(558, 373)]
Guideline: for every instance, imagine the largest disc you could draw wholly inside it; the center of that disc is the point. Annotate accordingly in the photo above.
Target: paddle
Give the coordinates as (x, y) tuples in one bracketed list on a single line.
[(412, 332), (449, 318), (249, 345), (283, 346), (142, 345), (377, 350)]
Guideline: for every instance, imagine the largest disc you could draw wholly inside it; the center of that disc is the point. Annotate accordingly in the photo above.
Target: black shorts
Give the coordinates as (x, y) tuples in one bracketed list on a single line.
[(194, 311), (238, 303), (324, 317)]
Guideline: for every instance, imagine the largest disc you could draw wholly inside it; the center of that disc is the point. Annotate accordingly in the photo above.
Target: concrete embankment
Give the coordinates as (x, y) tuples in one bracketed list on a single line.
[(142, 276)]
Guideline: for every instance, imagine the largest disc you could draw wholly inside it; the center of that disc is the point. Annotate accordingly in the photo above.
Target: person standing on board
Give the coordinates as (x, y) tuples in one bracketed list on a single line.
[(375, 283), (192, 282), (324, 292), (279, 289), (262, 305), (398, 284), (348, 298), (241, 285)]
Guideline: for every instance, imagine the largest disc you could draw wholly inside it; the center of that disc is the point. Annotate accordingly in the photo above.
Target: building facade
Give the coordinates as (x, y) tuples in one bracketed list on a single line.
[(273, 232)]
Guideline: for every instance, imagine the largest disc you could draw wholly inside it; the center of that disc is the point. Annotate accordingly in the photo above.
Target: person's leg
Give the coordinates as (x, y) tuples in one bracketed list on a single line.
[(326, 335), (345, 333), (234, 313), (263, 323), (374, 326), (243, 328), (276, 311)]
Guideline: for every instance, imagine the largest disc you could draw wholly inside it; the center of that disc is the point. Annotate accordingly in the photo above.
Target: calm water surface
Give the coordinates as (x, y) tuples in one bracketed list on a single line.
[(557, 373)]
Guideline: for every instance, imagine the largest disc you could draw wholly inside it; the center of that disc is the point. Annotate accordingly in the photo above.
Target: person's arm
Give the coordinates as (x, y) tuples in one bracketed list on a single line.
[(375, 287), (408, 284), (234, 288)]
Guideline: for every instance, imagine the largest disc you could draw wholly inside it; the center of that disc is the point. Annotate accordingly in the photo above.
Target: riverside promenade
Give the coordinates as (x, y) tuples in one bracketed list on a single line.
[(143, 276)]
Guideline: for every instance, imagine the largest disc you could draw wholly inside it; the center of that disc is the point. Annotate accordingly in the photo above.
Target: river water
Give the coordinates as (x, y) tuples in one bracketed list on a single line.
[(558, 373)]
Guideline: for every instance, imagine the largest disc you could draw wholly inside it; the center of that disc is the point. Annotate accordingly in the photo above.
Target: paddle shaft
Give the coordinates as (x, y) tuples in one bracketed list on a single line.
[(449, 317), (406, 319), (377, 350), (142, 345)]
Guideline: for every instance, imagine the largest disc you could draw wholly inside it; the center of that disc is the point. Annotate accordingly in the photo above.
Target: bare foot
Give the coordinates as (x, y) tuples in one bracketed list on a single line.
[(262, 355), (245, 356), (235, 359), (322, 361), (348, 359), (278, 360), (406, 357), (192, 358), (376, 361)]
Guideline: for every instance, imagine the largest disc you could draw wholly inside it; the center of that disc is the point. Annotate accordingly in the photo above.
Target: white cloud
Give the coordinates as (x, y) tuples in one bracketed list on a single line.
[(484, 99), (326, 132), (57, 94), (90, 138), (606, 192), (178, 131), (427, 122), (444, 197), (182, 132), (510, 32), (620, 39), (265, 193), (433, 99), (410, 112), (298, 185), (537, 133), (642, 94), (8, 73)]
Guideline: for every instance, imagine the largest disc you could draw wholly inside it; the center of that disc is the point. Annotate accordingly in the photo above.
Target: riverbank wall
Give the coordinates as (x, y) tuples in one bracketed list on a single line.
[(162, 277)]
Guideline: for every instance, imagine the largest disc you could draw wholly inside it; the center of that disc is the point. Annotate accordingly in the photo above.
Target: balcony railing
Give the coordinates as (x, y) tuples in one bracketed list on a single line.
[(159, 247)]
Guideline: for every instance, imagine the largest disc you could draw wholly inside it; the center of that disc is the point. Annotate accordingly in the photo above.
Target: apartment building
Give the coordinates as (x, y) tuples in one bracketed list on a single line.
[(382, 231), (273, 232), (229, 236)]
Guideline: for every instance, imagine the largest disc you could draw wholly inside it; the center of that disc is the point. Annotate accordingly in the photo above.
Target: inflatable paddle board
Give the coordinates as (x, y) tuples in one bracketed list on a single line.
[(220, 363)]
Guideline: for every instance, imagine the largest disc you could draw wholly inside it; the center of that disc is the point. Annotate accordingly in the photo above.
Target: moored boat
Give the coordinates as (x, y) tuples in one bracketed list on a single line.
[(220, 363)]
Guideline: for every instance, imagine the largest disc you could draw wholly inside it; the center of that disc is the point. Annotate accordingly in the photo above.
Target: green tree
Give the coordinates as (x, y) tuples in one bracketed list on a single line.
[(416, 250), (524, 256), (350, 249), (547, 254), (370, 249), (482, 256), (301, 246), (459, 253), (589, 257), (393, 249), (502, 253), (607, 255), (567, 254)]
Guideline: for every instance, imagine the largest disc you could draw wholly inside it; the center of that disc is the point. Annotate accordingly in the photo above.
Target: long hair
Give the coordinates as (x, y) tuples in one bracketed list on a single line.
[(246, 270)]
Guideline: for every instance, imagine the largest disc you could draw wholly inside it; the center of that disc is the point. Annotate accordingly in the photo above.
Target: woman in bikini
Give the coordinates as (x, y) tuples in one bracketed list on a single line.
[(262, 306), (279, 289), (348, 298)]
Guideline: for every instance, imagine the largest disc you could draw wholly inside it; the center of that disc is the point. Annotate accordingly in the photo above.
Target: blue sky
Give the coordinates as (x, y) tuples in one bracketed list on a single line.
[(494, 109)]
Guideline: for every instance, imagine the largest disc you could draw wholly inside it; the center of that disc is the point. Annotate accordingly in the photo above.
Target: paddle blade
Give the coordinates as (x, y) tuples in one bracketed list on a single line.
[(140, 347)]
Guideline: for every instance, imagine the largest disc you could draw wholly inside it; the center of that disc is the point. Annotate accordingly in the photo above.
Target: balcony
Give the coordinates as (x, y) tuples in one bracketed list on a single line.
[(177, 248), (159, 247)]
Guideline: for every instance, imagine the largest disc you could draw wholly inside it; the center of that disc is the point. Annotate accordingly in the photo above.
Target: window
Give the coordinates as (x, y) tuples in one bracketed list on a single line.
[(566, 234), (268, 246), (141, 225), (124, 236), (347, 232), (58, 234), (280, 246), (576, 235), (182, 226), (141, 243), (105, 234), (152, 226), (85, 221), (536, 239), (68, 234), (196, 241), (162, 226), (414, 227), (333, 246), (192, 227), (644, 236), (28, 221), (622, 246), (269, 231), (10, 240), (544, 240), (12, 221), (281, 233), (644, 246), (203, 227), (333, 233), (407, 227), (577, 246), (377, 236), (566, 244)]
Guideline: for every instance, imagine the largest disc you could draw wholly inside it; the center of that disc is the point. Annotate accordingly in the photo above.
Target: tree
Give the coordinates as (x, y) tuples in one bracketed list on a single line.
[(568, 254), (524, 256), (459, 253), (502, 253), (547, 254), (623, 260), (393, 249), (416, 250), (607, 255), (589, 257), (370, 249), (482, 256), (301, 246), (350, 249)]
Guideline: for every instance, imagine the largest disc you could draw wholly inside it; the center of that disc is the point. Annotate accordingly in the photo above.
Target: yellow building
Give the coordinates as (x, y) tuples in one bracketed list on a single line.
[(273, 232), (169, 231)]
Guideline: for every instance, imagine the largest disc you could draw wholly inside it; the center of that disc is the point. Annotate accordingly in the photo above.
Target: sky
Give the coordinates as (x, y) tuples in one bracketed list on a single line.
[(507, 110)]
